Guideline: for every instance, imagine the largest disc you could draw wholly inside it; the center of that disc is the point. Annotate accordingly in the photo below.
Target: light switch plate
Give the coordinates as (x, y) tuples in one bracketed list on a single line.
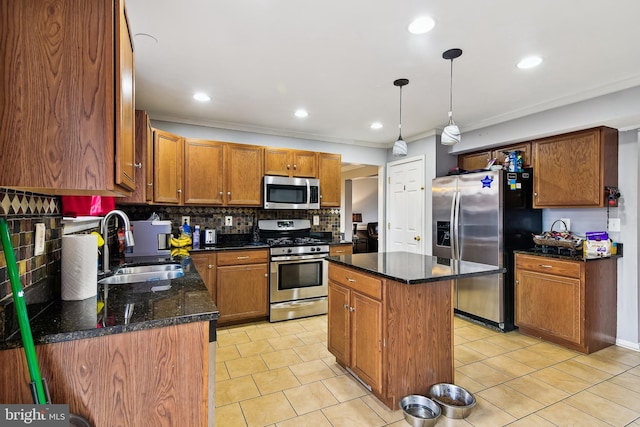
[(614, 224), (39, 240), (186, 219), (316, 220), (228, 221)]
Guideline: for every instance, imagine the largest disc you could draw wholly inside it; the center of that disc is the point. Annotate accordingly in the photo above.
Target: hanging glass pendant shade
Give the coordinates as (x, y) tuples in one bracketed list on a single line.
[(451, 132), (400, 146)]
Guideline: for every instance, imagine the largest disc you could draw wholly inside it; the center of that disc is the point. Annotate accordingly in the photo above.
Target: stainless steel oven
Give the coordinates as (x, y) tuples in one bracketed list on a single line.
[(298, 270)]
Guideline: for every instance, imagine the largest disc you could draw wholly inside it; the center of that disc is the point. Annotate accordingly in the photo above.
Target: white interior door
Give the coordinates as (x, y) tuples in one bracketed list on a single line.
[(405, 205)]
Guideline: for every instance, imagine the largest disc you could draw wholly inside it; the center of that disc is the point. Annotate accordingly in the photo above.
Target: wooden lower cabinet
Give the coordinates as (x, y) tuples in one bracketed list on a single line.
[(570, 303), (152, 377), (396, 338), (205, 263), (344, 249), (237, 281)]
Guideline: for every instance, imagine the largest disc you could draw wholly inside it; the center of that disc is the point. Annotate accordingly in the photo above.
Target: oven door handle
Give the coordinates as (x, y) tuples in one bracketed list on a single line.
[(297, 258)]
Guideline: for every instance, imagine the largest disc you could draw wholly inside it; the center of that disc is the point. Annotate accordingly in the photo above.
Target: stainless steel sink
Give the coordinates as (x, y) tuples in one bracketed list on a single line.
[(148, 268), (143, 273)]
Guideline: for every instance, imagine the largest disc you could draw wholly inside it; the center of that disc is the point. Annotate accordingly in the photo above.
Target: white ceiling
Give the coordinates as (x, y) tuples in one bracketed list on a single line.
[(260, 60)]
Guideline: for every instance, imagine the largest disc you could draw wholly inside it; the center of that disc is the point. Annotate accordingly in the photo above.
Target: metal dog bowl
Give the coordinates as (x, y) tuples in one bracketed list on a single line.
[(456, 402), (419, 411)]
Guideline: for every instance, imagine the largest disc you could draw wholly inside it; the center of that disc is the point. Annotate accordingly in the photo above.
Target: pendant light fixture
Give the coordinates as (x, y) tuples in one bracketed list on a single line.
[(451, 132), (400, 147)]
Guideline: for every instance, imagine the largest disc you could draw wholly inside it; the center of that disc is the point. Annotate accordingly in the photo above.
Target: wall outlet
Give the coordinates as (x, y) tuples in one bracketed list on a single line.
[(39, 241), (316, 220), (186, 219), (614, 224), (568, 222), (228, 221)]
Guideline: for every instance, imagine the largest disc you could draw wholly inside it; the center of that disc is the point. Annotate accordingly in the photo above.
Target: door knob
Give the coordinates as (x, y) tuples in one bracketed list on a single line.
[(417, 238)]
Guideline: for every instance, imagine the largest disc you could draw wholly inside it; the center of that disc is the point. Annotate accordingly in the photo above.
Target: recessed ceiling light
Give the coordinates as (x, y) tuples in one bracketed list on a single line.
[(301, 113), (529, 62), (200, 96), (376, 125), (422, 25)]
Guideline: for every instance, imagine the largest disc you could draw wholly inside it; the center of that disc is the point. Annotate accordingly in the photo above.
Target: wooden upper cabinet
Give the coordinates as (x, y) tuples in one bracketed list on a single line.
[(243, 171), (524, 148), (473, 161), (203, 165), (571, 170), (167, 168), (144, 161), (330, 175), (67, 97), (291, 163), (125, 105)]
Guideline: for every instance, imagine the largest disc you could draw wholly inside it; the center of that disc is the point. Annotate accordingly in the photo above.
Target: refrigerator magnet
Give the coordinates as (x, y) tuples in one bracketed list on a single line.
[(486, 181)]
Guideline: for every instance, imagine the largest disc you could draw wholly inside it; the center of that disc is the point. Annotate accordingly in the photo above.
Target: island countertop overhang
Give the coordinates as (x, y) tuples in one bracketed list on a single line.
[(413, 269)]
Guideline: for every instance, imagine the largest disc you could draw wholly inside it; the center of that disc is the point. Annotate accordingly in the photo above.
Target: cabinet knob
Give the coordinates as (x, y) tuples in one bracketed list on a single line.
[(352, 309), (295, 167), (150, 184), (179, 191), (221, 193), (517, 282), (228, 193), (351, 280), (345, 306), (138, 165), (535, 194), (266, 275), (210, 266), (288, 167)]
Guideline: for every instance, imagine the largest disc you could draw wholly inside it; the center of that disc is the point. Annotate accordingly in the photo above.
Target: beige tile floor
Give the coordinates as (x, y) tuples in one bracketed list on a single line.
[(281, 375)]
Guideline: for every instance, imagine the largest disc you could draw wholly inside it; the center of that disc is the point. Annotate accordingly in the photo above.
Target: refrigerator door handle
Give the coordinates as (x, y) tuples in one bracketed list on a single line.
[(456, 226), (452, 219)]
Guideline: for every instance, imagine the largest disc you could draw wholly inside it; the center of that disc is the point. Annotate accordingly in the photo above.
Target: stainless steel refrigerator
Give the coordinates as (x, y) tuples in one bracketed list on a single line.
[(482, 217)]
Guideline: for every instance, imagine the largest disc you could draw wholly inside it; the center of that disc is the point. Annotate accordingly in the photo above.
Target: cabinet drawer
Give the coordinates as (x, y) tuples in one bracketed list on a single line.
[(549, 265), (357, 281), (341, 250), (243, 257)]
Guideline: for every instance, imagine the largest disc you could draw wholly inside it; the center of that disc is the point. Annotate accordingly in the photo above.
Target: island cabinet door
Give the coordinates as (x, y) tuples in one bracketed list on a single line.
[(366, 339), (338, 317)]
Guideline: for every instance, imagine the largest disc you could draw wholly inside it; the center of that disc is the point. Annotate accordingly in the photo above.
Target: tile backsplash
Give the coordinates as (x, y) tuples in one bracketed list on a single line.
[(243, 218), (23, 211)]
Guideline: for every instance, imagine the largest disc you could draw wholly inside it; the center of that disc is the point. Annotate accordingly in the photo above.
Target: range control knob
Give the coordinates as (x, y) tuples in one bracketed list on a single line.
[(318, 249), (313, 249), (289, 250)]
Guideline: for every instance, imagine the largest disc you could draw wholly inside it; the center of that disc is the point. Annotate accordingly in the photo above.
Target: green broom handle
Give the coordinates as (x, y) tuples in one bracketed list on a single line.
[(21, 310)]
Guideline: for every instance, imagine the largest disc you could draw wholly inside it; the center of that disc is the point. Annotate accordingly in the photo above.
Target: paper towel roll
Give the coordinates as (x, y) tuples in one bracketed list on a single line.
[(79, 267)]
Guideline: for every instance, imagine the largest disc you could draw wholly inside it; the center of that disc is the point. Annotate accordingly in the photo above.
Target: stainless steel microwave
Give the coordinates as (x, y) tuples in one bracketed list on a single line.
[(281, 192)]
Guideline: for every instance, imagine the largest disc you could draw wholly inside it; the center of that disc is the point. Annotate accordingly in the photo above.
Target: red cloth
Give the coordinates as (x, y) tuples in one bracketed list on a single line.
[(87, 205)]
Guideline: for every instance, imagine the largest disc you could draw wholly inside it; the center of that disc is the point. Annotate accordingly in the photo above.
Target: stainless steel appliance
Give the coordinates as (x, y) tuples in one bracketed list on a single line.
[(281, 192), (482, 217), (152, 238), (208, 236), (298, 271)]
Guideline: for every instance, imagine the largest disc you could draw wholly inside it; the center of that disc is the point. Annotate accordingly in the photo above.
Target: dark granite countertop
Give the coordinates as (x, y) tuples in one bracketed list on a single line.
[(411, 268), (563, 254), (171, 302)]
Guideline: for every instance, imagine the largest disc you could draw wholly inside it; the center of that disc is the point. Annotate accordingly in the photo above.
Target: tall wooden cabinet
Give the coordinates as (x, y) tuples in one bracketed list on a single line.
[(330, 175), (571, 303), (67, 97), (168, 152), (243, 171), (291, 163), (571, 170), (144, 161), (396, 338), (203, 166)]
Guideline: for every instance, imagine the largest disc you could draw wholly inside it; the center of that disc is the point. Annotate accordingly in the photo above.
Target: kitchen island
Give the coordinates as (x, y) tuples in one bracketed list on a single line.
[(391, 319), (139, 354)]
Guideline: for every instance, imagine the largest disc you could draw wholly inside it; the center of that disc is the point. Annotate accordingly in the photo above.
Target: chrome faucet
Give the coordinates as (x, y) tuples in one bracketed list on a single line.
[(128, 236)]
